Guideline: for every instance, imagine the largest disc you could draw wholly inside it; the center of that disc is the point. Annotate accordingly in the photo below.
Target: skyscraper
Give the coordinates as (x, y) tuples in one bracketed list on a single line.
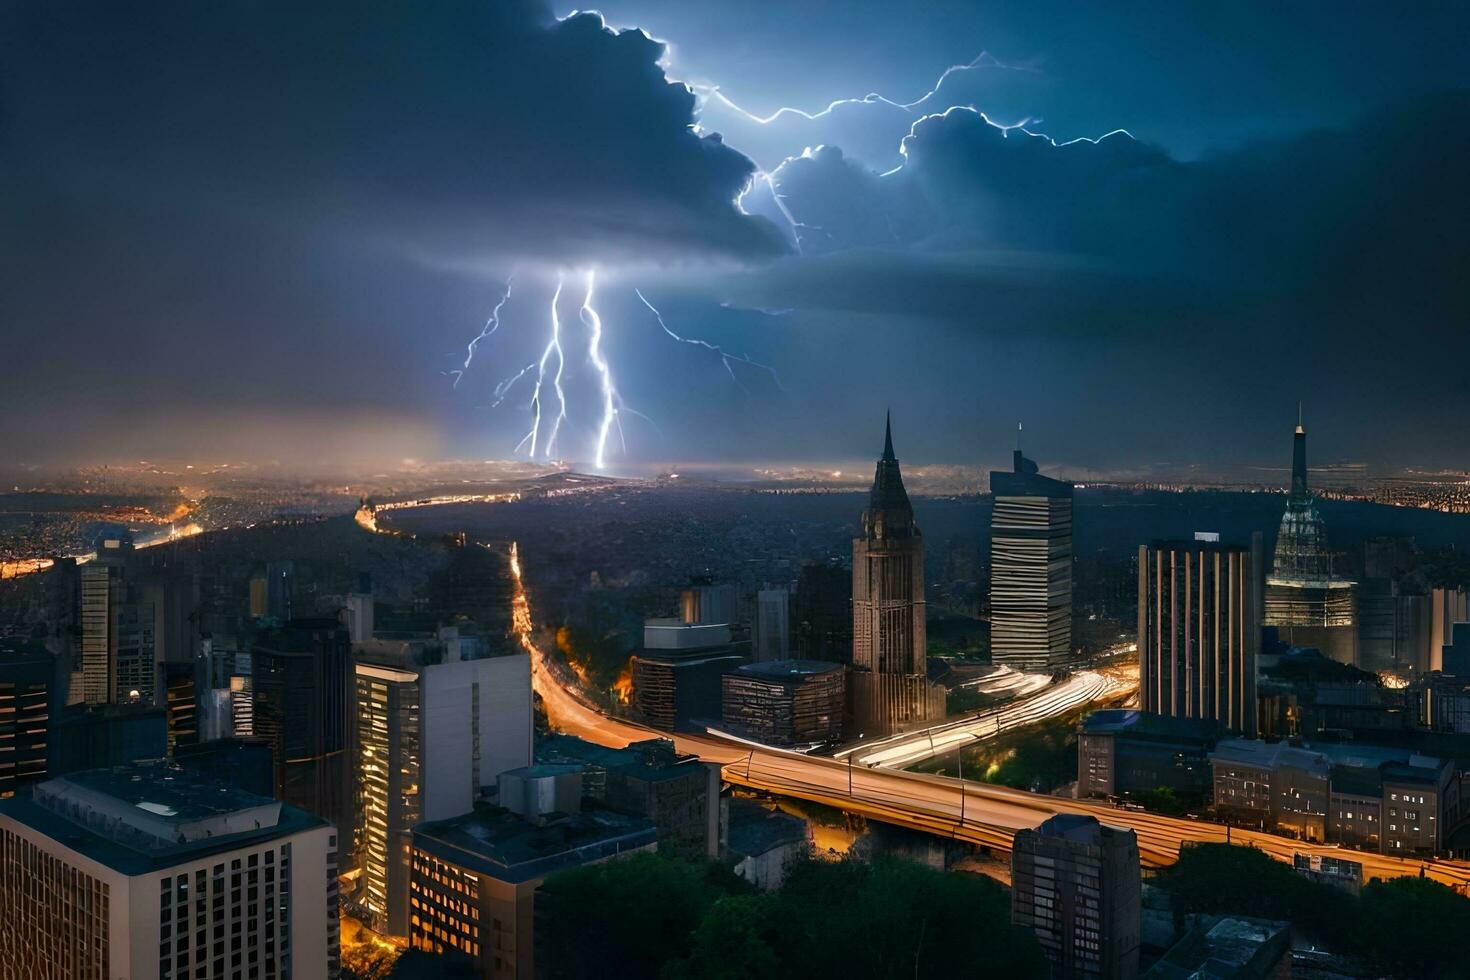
[(303, 706), (1030, 568), (1309, 604), (102, 594), (1075, 883), (1199, 630), (430, 737), (890, 687)]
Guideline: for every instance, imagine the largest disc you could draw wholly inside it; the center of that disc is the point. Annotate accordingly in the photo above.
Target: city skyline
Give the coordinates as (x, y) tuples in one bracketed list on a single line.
[(445, 528)]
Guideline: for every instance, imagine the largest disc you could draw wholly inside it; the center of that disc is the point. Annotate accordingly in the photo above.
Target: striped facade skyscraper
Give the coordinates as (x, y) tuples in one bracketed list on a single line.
[(1199, 630), (1030, 569)]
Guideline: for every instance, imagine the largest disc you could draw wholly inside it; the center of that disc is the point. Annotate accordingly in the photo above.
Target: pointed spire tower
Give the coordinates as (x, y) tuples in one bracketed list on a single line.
[(1299, 458), (889, 513), (889, 690)]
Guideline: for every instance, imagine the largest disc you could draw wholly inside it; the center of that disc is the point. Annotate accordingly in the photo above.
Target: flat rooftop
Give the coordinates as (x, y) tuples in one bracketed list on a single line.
[(1131, 721), (149, 816), (651, 760), (498, 843), (1322, 756), (784, 670)]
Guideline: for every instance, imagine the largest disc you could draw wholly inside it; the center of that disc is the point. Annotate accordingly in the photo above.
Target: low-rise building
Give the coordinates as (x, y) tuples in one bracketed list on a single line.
[(1123, 751), (762, 842), (473, 878), (150, 872), (679, 793), (1228, 948), (785, 702), (676, 679), (1383, 799)]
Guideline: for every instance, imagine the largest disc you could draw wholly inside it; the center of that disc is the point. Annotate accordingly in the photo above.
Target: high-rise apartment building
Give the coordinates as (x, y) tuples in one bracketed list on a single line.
[(430, 739), (303, 705), (1030, 569), (1075, 883), (1199, 632), (150, 872), (890, 689)]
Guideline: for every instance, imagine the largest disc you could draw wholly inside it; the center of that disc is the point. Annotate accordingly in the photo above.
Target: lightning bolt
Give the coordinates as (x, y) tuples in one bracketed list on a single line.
[(726, 358), (609, 392), (491, 325), (553, 346), (503, 388), (981, 61)]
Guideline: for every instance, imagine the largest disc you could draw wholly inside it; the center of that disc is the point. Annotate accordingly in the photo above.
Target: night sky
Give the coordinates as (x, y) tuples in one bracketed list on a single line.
[(269, 231)]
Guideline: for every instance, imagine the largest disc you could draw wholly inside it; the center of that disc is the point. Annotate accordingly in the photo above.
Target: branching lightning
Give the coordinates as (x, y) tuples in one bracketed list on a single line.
[(491, 325), (609, 393), (726, 358), (553, 346), (983, 60), (506, 384)]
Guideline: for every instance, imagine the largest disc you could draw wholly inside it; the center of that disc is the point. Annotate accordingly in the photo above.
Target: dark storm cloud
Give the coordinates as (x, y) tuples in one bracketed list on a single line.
[(1148, 293), (240, 210), (463, 130), (1377, 207)]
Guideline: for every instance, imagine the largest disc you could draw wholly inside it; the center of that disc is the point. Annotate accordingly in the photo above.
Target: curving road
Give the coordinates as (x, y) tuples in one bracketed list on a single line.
[(979, 813)]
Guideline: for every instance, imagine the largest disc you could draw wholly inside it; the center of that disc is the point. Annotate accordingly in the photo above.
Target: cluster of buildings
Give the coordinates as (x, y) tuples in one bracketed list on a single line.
[(375, 765), (1252, 705), (860, 637)]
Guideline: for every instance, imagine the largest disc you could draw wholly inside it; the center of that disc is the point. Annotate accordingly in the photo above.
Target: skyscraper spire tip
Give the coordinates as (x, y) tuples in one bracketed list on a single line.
[(888, 436)]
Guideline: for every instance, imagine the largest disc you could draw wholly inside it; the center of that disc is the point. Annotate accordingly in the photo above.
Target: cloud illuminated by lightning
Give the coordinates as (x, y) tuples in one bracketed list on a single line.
[(726, 357), (553, 346), (491, 325)]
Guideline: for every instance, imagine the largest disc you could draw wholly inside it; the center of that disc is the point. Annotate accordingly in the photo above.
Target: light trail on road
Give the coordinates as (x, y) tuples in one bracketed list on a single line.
[(977, 813), (902, 751)]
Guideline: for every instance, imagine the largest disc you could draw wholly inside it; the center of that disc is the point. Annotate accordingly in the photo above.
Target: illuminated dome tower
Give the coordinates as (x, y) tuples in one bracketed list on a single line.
[(1309, 604)]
